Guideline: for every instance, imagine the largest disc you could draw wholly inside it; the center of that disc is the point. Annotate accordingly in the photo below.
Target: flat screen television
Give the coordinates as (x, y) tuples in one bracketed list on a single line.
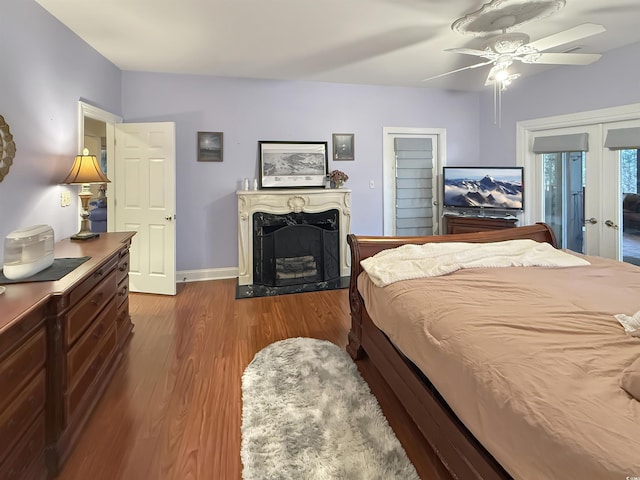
[(499, 188)]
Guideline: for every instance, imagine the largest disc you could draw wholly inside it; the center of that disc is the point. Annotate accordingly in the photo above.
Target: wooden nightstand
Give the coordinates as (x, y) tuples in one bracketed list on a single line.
[(468, 224)]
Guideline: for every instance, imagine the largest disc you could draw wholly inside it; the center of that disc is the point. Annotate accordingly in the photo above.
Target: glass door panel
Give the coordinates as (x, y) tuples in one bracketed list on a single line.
[(564, 186), (629, 187)]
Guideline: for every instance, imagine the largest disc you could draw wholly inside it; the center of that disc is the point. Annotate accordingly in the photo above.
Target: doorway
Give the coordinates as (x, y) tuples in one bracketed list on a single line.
[(97, 123), (143, 179), (412, 160)]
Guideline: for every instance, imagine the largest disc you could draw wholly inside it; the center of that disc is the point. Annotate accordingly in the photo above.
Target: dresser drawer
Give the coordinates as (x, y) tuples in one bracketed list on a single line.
[(21, 366), (20, 330), (21, 413), (123, 290), (92, 373), (123, 266), (82, 314), (20, 464), (82, 352), (78, 294)]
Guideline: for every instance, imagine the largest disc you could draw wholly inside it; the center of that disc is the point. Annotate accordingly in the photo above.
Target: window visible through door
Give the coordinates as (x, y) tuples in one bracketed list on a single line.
[(629, 187), (564, 184)]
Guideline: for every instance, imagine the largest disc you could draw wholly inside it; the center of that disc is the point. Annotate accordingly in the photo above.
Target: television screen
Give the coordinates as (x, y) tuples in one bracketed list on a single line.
[(483, 187)]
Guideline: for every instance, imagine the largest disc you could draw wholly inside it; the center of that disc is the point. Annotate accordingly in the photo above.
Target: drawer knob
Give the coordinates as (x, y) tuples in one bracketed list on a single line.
[(98, 362), (98, 298), (99, 331), (124, 267), (123, 291)]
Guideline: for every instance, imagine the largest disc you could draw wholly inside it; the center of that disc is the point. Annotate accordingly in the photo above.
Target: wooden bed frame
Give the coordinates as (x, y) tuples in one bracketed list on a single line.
[(460, 453)]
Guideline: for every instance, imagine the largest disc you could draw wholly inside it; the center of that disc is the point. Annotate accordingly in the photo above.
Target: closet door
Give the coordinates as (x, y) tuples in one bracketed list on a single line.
[(414, 186), (412, 159)]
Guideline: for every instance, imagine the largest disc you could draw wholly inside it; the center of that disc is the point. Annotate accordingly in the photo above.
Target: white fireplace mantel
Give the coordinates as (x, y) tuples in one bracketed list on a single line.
[(288, 201)]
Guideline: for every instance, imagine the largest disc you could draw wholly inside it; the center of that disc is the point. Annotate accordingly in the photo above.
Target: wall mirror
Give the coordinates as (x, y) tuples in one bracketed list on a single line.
[(7, 148)]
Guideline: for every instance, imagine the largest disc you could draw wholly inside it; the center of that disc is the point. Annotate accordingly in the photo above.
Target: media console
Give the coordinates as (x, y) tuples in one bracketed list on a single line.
[(476, 223)]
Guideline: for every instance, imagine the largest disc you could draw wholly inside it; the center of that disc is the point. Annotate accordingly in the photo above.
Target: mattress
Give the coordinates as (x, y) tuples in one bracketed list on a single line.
[(529, 359)]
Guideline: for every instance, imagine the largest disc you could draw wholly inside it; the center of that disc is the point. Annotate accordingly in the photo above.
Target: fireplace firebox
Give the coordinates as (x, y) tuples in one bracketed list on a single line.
[(296, 248)]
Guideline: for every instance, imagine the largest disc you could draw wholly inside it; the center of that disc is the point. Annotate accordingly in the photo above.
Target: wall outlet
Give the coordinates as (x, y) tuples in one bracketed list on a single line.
[(65, 198), (372, 184)]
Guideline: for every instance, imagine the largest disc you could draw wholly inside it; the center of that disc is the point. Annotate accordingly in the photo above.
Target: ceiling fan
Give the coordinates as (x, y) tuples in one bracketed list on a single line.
[(506, 48)]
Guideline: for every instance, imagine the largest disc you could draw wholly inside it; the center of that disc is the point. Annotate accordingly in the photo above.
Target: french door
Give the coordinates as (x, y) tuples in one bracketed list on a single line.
[(621, 228), (586, 193)]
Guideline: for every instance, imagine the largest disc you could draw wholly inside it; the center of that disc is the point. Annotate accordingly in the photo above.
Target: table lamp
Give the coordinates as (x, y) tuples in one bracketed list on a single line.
[(85, 171)]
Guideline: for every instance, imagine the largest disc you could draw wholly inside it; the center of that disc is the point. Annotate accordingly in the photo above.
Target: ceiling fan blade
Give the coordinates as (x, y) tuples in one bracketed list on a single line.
[(567, 36), (459, 70), (563, 58), (471, 51)]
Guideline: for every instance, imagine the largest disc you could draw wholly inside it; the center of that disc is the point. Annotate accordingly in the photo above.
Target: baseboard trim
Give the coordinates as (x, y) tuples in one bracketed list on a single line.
[(186, 276)]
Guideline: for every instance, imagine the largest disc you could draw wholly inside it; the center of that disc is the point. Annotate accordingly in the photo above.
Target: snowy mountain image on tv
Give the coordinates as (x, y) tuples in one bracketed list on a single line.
[(499, 188)]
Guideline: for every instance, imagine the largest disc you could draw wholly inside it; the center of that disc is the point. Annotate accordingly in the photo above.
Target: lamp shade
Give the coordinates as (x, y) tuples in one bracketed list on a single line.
[(86, 170)]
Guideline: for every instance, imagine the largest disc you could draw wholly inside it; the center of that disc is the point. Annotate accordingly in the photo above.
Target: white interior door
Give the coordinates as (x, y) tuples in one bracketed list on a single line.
[(145, 202), (412, 159)]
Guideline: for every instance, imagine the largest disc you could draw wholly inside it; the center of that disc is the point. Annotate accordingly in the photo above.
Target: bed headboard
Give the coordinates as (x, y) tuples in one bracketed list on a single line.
[(366, 246)]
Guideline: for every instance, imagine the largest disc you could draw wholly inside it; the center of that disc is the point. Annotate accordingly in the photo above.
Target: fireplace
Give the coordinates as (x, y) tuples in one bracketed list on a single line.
[(295, 248), (292, 240)]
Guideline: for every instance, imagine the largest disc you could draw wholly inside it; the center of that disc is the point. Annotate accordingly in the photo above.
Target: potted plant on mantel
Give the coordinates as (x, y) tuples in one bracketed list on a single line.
[(337, 178)]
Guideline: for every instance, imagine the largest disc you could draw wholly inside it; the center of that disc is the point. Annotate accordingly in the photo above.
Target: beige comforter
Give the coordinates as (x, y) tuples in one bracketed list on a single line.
[(530, 360)]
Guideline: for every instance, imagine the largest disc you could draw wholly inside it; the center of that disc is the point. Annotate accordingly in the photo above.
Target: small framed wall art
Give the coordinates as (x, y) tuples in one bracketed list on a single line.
[(343, 146), (293, 164), (210, 146)]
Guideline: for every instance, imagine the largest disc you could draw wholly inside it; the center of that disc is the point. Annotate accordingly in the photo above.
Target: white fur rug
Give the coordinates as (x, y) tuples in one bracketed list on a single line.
[(308, 414)]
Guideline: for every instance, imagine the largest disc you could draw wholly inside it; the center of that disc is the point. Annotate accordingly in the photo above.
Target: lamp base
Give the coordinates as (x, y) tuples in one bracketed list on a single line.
[(84, 236)]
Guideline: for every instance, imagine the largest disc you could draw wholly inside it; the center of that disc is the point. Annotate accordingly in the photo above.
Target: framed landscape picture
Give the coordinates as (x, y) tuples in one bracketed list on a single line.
[(343, 146), (210, 146), (293, 164)]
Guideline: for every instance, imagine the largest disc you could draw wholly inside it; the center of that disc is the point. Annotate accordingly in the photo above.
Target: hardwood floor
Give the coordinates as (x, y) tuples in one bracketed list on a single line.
[(173, 408)]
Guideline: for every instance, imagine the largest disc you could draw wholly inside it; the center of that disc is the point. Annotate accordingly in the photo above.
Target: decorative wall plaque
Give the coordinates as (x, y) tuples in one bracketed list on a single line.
[(7, 148)]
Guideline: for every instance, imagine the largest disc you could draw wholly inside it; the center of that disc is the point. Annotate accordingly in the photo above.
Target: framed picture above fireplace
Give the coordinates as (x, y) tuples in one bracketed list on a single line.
[(293, 164)]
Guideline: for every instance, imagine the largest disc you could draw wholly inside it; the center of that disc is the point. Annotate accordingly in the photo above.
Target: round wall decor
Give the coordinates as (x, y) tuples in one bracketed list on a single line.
[(7, 148)]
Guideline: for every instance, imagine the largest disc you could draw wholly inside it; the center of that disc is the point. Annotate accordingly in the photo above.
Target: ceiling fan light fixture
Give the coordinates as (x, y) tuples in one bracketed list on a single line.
[(501, 76)]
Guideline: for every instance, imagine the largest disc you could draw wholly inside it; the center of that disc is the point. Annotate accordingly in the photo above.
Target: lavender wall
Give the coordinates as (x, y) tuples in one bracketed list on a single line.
[(609, 82), (45, 70), (251, 110)]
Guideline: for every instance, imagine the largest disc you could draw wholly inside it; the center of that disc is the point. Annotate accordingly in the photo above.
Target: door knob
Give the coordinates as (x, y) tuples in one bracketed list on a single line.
[(169, 217), (591, 220), (610, 224)]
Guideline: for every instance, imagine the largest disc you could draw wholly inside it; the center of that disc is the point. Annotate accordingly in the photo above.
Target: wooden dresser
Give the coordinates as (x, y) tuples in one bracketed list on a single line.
[(59, 345), (469, 224)]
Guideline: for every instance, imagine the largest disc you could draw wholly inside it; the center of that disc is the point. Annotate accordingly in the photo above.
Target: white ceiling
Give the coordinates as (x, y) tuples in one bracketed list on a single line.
[(380, 42)]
